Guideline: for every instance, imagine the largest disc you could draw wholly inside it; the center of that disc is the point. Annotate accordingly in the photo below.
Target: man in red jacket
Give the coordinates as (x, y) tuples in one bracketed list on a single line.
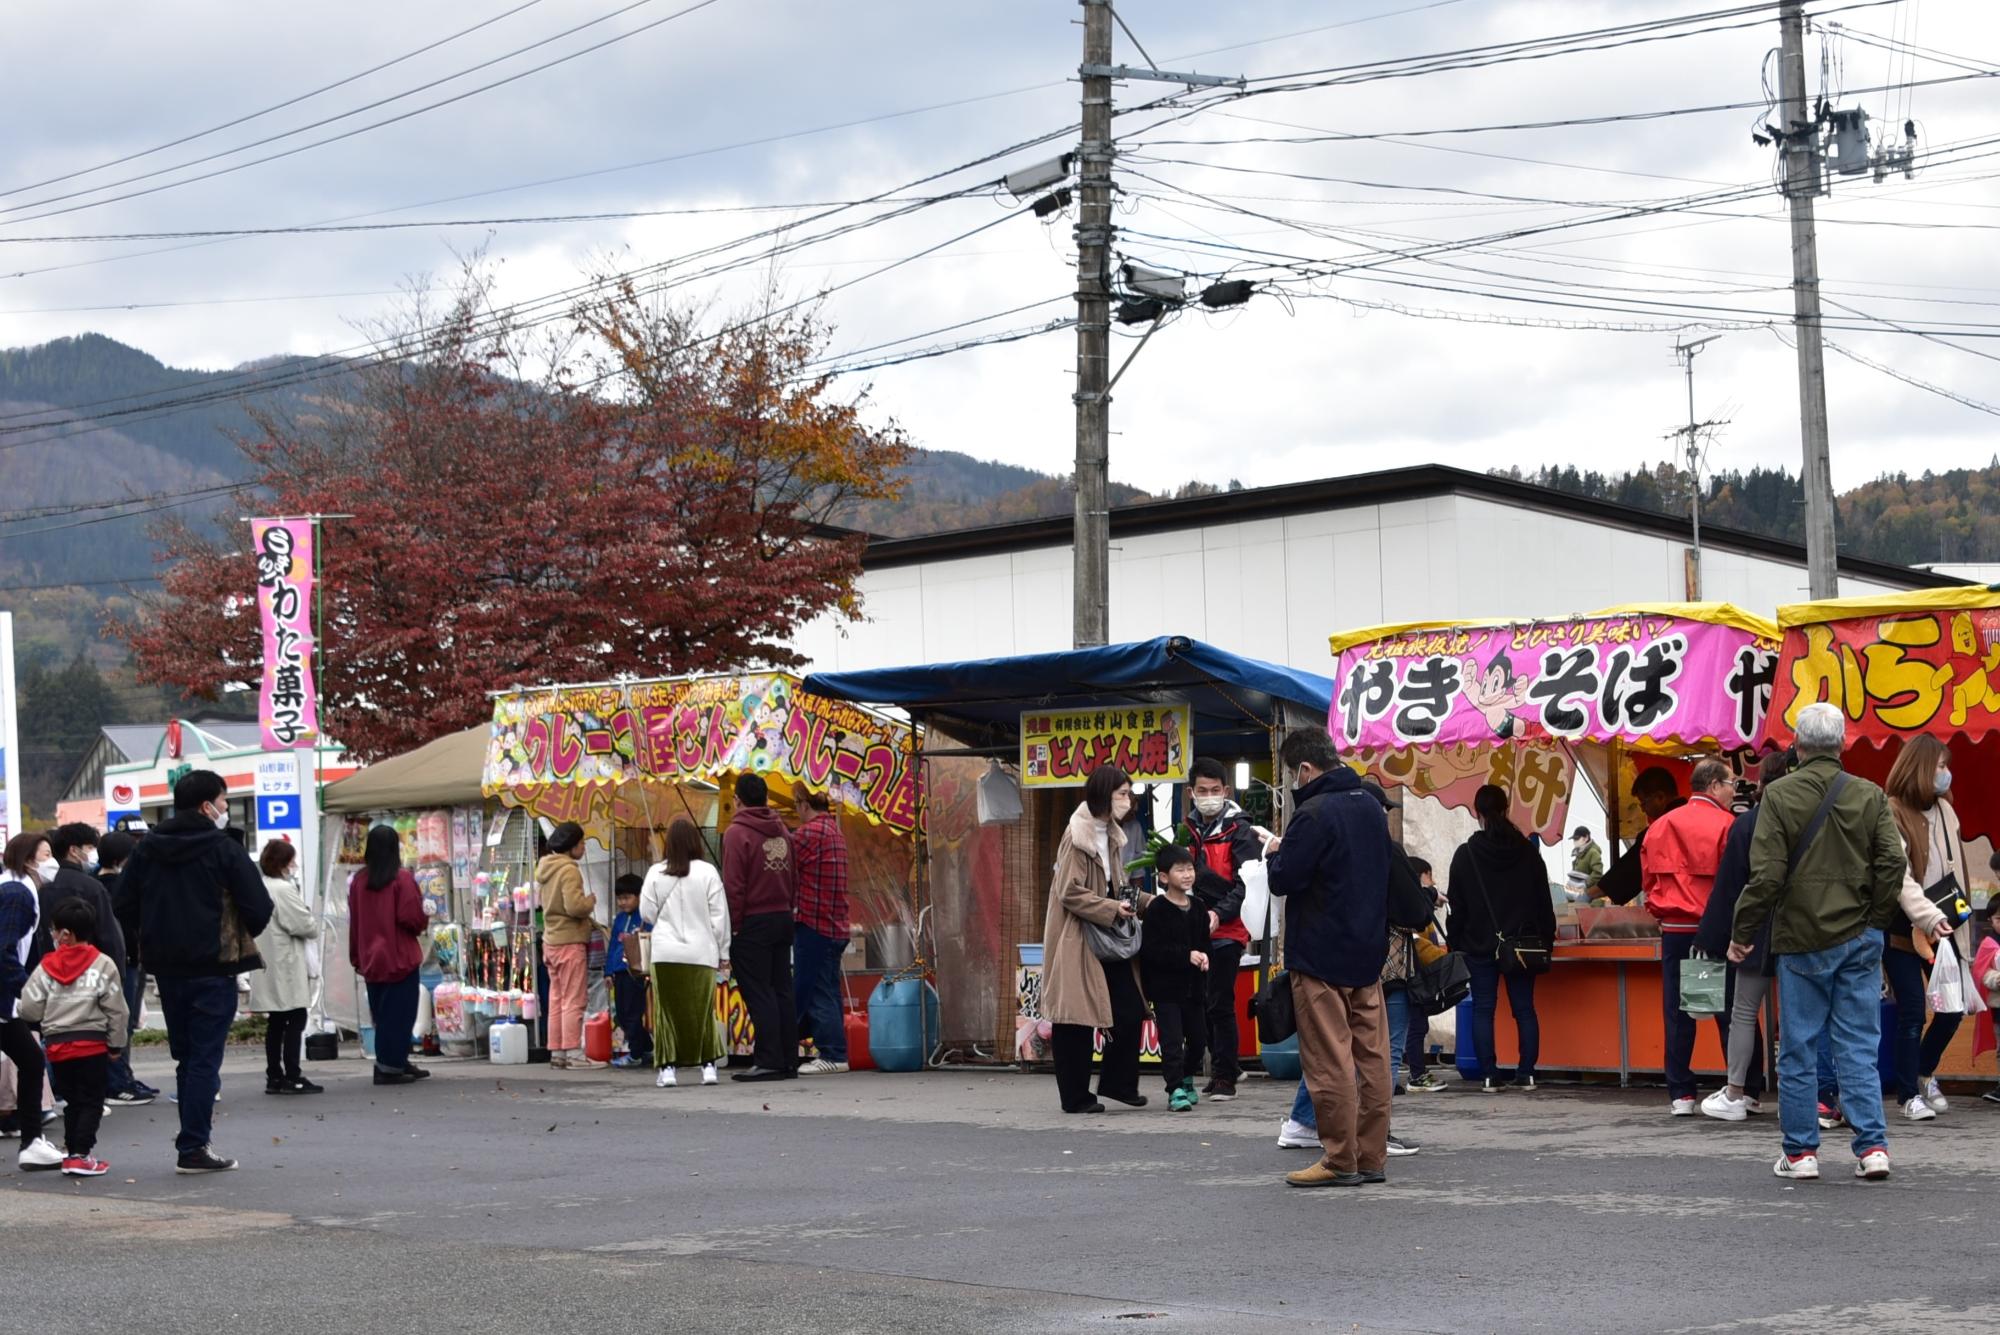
[(1223, 838), (759, 876), (1683, 848)]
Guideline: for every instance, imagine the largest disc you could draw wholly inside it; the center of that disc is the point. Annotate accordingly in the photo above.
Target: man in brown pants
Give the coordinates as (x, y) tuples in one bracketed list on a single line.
[(1332, 867)]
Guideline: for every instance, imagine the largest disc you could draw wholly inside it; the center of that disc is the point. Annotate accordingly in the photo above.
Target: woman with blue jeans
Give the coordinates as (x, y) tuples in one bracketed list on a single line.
[(1499, 887), (1916, 786)]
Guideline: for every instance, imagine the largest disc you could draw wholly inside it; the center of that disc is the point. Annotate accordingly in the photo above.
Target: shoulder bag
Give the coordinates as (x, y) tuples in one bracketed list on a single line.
[(1514, 954), (1945, 894), (1806, 836), (1439, 985), (1119, 941), (1272, 1007)]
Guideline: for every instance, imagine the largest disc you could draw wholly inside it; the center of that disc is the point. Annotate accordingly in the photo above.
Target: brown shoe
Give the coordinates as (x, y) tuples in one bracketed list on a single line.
[(1320, 1175)]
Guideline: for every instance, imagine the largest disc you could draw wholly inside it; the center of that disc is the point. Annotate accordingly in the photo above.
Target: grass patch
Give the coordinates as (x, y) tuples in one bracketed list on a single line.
[(243, 1031)]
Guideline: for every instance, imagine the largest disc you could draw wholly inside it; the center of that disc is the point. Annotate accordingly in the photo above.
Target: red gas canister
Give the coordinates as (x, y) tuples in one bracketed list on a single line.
[(597, 1037), (858, 1057)]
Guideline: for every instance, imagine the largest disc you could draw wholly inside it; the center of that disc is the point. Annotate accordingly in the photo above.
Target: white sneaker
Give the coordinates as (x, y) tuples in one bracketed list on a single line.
[(1681, 1108), (40, 1156), (1874, 1166), (821, 1066), (1296, 1136), (666, 1078), (1935, 1097), (1723, 1108), (1916, 1110), (708, 1076), (1805, 1168)]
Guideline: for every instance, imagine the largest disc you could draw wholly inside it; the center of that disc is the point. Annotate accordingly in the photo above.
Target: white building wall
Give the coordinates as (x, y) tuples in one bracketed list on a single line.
[(1277, 588)]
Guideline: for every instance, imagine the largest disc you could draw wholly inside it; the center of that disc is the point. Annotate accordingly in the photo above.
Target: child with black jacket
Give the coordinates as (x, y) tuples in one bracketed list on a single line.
[(1173, 962)]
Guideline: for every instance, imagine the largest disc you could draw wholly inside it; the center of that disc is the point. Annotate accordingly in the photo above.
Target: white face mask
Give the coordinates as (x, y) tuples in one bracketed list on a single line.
[(1121, 807), (1211, 806), (221, 818), (1943, 784), (46, 869)]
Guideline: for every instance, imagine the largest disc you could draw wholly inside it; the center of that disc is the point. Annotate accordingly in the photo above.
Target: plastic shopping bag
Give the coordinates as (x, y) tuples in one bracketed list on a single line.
[(1703, 985), (1256, 898), (1947, 991)]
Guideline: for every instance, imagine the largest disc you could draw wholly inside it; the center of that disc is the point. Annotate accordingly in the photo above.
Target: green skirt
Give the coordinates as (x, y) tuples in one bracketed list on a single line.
[(686, 1031)]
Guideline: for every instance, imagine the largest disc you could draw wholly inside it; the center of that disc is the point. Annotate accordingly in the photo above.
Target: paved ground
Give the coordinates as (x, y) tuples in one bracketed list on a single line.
[(497, 1200)]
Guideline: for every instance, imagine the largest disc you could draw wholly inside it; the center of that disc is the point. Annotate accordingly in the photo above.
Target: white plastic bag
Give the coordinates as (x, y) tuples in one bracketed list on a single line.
[(1975, 995), (1948, 988), (1256, 898)]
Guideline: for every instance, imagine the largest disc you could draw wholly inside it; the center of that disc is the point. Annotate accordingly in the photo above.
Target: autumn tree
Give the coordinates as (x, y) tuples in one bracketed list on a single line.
[(634, 493)]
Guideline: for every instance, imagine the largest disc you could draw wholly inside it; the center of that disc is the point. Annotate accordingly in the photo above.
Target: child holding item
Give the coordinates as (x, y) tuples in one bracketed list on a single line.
[(628, 983), (1173, 964), (76, 997)]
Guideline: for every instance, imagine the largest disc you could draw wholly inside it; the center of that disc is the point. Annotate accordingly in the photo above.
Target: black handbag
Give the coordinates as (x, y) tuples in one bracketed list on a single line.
[(1514, 954), (1119, 941), (1946, 895), (1276, 1020), (1436, 987)]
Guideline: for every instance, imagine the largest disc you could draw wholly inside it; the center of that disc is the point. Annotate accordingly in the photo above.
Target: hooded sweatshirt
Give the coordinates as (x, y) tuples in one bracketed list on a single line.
[(75, 996), (1499, 879), (199, 900), (757, 866)]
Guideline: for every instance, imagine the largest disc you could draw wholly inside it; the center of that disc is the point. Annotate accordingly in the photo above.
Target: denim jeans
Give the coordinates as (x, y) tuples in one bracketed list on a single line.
[(133, 981), (1836, 991), (198, 1012), (1918, 1050), (1486, 980), (817, 978)]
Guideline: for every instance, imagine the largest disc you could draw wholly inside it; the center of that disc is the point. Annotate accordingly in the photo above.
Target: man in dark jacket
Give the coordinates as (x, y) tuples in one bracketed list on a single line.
[(759, 876), (75, 848), (200, 904), (1332, 869), (1224, 839)]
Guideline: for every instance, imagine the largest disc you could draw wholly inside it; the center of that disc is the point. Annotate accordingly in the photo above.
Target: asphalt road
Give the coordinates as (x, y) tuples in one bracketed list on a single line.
[(496, 1200)]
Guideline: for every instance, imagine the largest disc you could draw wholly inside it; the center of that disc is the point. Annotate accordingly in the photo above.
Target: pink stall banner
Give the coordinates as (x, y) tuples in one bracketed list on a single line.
[(287, 708), (1662, 678)]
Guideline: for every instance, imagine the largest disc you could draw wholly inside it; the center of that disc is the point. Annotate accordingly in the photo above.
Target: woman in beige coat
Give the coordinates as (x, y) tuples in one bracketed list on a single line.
[(1081, 993)]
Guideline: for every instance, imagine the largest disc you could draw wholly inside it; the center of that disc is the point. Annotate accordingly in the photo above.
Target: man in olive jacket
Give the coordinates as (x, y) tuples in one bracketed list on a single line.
[(1827, 916)]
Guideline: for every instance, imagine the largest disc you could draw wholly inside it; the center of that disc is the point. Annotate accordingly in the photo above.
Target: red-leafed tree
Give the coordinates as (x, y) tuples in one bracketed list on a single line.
[(636, 494)]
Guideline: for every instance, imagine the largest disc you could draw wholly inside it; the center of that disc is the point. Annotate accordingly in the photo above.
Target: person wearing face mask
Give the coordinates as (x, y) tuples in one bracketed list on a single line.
[(200, 904), (74, 851), (1586, 864), (1222, 840), (282, 989), (1679, 859), (1917, 785), (23, 864)]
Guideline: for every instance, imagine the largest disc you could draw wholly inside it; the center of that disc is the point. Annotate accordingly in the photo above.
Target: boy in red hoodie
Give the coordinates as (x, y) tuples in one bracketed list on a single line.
[(76, 997)]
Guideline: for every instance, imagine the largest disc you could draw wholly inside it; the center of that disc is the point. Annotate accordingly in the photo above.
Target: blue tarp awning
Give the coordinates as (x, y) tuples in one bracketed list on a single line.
[(1229, 694)]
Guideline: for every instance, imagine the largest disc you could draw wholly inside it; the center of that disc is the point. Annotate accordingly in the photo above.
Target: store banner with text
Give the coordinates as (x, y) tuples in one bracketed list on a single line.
[(1536, 779), (700, 729), (287, 706), (1152, 744), (1658, 678), (1928, 667)]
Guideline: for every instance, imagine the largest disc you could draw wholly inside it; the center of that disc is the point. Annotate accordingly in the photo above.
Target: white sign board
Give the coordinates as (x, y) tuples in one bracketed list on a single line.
[(280, 800), (121, 798)]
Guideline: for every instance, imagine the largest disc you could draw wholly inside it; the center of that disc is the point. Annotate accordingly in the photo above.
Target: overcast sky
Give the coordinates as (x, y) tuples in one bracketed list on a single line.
[(1278, 391)]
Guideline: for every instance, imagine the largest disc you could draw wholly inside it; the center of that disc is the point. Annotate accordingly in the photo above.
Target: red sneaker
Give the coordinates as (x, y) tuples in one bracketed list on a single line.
[(83, 1166)]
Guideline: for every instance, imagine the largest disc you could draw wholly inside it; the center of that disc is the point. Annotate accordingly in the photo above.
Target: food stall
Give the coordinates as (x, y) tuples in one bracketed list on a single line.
[(1900, 665), (1007, 742), (1537, 707)]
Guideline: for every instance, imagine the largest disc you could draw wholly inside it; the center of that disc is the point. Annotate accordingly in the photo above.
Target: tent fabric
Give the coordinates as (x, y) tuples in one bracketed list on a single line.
[(443, 773), (1227, 692)]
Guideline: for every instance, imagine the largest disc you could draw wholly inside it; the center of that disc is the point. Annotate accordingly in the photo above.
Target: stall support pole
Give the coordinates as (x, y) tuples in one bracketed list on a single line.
[(1624, 1033)]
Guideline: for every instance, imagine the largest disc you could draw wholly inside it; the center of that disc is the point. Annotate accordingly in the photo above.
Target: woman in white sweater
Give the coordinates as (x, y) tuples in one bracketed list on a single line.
[(683, 899), (282, 989)]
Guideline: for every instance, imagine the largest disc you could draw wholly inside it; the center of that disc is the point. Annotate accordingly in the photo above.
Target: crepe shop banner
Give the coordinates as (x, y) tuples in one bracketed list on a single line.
[(703, 728), (1911, 670), (287, 706), (1059, 748), (1639, 677)]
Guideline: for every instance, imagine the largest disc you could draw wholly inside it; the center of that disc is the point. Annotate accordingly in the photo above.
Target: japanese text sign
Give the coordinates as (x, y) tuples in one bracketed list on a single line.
[(287, 708), (1647, 677), (1931, 665), (1536, 779), (1151, 743), (700, 729)]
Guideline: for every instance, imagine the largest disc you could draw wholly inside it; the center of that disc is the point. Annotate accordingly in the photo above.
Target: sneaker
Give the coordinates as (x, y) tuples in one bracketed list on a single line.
[(1129, 1100), (624, 1061), (1873, 1166), (136, 1098), (1798, 1167), (84, 1166), (279, 1087), (1525, 1082), (1991, 1095), (204, 1160), (1681, 1108), (756, 1075), (1493, 1086), (1829, 1116), (666, 1079), (1222, 1091), (558, 1061), (423, 1073), (174, 1097), (1402, 1149), (708, 1076), (1935, 1097), (1319, 1175), (1375, 1178), (301, 1085), (1187, 1086), (40, 1156), (821, 1066), (1916, 1110), (576, 1063), (1724, 1108), (1753, 1105), (1297, 1136), (1181, 1100), (1428, 1083), (383, 1077)]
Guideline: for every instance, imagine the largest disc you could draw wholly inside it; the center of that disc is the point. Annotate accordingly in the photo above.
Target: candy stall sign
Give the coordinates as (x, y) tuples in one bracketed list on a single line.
[(287, 708), (703, 728), (1907, 663), (1059, 748), (1657, 678)]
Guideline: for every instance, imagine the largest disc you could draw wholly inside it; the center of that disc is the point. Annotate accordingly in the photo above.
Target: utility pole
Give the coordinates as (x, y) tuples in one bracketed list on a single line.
[(1092, 558), (1686, 353), (1803, 168)]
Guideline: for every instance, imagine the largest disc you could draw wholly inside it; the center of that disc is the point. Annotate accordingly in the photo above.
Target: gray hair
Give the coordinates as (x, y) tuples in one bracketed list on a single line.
[(1822, 730)]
